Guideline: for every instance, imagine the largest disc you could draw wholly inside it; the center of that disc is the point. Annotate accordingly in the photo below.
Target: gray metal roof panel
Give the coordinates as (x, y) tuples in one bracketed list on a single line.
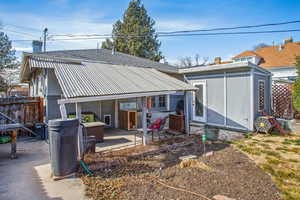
[(99, 79)]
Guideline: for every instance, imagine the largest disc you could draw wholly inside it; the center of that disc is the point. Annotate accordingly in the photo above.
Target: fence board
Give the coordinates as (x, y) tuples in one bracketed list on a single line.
[(26, 110)]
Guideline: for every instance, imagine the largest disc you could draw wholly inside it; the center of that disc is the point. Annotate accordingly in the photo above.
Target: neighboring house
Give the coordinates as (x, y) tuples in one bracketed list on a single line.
[(67, 78), (279, 60)]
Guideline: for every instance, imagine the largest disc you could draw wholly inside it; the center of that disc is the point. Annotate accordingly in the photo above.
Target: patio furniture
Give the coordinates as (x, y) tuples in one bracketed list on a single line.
[(95, 129), (157, 126), (176, 123)]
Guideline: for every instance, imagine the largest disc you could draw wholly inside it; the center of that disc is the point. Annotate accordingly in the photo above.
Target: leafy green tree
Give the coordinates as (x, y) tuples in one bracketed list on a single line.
[(296, 90), (135, 34), (7, 60)]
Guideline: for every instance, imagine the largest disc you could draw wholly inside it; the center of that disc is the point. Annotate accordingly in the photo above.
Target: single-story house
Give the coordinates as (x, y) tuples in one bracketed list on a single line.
[(229, 95), (51, 90), (97, 87)]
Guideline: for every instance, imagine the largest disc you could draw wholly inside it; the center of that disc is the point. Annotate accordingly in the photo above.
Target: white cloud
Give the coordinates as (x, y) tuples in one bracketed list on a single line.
[(78, 22), (175, 25)]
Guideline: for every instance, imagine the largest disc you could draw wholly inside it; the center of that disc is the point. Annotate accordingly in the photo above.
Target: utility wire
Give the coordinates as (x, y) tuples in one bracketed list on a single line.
[(185, 34), (231, 28), (23, 27), (182, 31), (18, 32)]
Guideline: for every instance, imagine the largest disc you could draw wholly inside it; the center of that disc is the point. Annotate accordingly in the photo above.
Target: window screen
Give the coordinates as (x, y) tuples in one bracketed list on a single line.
[(162, 101)]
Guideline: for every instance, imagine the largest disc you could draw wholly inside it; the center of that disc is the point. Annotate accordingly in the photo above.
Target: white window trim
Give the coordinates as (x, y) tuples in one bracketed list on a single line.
[(107, 115), (204, 119), (258, 96)]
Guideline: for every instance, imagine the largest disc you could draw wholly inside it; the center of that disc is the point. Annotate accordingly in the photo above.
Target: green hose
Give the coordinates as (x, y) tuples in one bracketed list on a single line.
[(86, 168)]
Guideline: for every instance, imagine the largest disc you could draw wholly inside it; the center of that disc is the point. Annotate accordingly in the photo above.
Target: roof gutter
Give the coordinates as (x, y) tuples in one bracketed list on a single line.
[(112, 97)]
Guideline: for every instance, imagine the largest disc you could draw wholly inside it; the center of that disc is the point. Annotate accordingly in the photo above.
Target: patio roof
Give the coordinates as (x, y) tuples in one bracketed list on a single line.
[(95, 79)]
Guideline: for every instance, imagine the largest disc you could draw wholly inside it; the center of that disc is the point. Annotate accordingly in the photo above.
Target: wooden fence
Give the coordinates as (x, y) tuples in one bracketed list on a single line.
[(282, 100), (26, 110)]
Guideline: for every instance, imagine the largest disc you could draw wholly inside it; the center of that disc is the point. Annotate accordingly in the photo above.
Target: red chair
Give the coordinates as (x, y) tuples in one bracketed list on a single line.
[(156, 126)]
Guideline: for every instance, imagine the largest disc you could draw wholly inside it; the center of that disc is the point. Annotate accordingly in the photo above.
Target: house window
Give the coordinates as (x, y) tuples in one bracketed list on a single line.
[(162, 101), (261, 95), (153, 103)]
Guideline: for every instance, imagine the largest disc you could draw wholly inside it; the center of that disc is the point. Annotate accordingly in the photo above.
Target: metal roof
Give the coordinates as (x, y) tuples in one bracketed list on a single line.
[(222, 67), (106, 56), (99, 79)]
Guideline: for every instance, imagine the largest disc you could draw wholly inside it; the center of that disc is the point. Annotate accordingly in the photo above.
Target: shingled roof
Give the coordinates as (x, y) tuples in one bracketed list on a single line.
[(275, 56), (106, 56)]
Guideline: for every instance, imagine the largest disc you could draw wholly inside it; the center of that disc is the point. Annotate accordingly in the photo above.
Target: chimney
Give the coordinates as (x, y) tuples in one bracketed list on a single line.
[(218, 60), (37, 46), (288, 40)]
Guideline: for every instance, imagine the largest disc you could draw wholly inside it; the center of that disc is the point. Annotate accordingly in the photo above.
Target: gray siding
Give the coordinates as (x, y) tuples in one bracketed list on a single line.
[(231, 110), (215, 100), (52, 108), (238, 102)]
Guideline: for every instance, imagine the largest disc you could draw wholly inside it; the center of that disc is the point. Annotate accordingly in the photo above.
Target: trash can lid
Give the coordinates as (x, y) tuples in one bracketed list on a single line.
[(60, 122)]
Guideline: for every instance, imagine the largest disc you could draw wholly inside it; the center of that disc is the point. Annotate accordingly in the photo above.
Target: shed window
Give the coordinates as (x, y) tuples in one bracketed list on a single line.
[(261, 95), (162, 101)]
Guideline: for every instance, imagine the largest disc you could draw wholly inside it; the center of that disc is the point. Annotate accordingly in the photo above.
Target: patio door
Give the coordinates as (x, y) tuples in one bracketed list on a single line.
[(199, 102)]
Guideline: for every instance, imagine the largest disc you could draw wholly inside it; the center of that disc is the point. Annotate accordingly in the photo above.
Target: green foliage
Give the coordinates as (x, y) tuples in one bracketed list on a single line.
[(7, 55), (7, 60), (296, 90), (136, 22)]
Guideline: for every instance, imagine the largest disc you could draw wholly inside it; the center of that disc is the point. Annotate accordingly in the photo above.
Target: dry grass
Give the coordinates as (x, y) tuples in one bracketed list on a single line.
[(279, 157)]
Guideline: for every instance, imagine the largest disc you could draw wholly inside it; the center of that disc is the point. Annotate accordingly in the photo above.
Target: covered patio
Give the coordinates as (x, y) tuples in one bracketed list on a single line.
[(96, 82)]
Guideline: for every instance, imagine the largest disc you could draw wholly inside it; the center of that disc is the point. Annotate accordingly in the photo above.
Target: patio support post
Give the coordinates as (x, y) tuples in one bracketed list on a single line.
[(80, 135), (116, 113), (186, 113), (63, 111), (144, 119), (168, 102)]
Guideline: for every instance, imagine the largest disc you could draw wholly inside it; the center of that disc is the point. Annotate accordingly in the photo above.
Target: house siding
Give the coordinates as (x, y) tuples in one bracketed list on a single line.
[(227, 99)]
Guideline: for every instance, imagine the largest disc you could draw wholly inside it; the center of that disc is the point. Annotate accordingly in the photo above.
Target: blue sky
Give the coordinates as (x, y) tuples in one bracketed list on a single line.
[(97, 17)]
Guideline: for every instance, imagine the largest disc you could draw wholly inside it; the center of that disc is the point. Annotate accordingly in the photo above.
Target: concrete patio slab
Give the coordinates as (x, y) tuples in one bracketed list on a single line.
[(28, 176)]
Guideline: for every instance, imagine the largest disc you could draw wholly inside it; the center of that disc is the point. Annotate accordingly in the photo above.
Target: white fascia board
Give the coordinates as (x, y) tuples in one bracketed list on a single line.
[(214, 67), (112, 97)]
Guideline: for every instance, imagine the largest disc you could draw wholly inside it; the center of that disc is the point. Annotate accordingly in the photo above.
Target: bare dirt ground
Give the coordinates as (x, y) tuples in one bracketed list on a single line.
[(154, 172)]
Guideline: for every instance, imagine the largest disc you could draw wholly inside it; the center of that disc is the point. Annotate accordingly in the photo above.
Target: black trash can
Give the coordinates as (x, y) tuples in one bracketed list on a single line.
[(40, 130), (63, 136)]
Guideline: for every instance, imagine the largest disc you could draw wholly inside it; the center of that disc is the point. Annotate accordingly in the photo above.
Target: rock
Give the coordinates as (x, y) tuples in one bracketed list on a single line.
[(187, 157), (222, 197), (210, 153)]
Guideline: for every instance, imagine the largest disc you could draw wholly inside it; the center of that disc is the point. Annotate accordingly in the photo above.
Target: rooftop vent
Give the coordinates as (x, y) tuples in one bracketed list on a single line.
[(288, 40), (37, 46), (218, 60)]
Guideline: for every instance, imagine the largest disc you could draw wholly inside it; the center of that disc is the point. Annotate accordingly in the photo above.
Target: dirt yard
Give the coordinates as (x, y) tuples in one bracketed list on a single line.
[(156, 172), (280, 157)]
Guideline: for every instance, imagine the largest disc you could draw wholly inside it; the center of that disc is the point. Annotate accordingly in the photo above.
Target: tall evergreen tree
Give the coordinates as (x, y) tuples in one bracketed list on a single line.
[(135, 34), (7, 60), (296, 89)]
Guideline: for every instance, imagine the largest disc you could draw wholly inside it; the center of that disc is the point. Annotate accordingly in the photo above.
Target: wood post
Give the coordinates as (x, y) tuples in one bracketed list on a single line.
[(63, 111), (186, 113), (80, 134), (144, 120), (41, 109), (13, 154), (116, 113)]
